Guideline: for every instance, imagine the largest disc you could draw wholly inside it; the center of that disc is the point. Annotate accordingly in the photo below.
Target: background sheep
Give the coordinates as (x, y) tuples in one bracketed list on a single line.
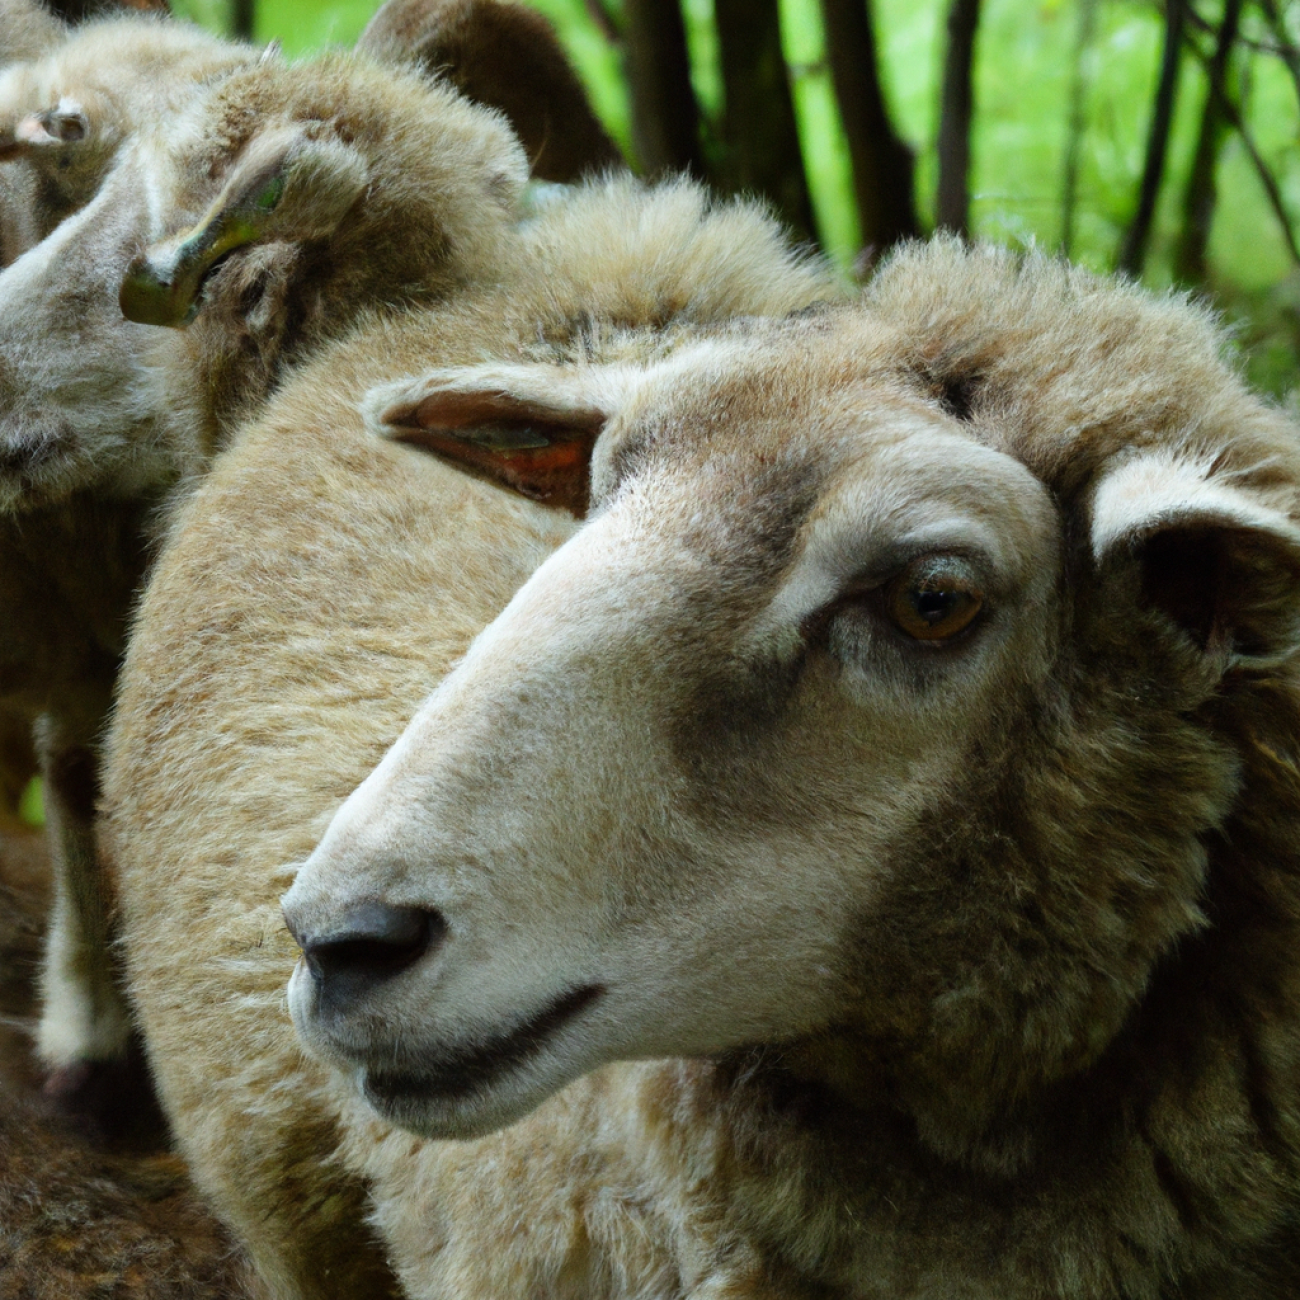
[(286, 198), (909, 738), (99, 81), (264, 680)]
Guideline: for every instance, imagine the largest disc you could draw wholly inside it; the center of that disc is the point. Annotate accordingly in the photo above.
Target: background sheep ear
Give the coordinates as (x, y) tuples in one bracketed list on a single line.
[(530, 429), (507, 57), (67, 123), (1216, 559)]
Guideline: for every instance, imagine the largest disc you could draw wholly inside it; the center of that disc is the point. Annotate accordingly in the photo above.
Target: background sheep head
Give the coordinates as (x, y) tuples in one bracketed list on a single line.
[(891, 707), (273, 209), (299, 192)]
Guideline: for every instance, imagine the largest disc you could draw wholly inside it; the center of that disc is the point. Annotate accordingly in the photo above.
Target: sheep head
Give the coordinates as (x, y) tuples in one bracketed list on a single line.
[(297, 194), (881, 711), (286, 187), (273, 208)]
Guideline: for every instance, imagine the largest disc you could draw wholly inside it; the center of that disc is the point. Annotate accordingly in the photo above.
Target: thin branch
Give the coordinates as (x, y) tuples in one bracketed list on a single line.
[(1285, 49), (1238, 124), (603, 20), (882, 162), (241, 19), (1133, 251), (952, 202), (1201, 195)]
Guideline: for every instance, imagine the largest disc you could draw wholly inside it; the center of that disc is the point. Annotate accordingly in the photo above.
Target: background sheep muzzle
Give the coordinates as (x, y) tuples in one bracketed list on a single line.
[(164, 285)]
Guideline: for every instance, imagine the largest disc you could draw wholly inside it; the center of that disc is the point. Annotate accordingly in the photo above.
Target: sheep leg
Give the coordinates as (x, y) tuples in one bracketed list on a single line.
[(85, 1025)]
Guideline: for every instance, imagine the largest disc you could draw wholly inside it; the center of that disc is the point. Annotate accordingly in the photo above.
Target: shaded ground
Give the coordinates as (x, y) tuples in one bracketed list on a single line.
[(84, 1212)]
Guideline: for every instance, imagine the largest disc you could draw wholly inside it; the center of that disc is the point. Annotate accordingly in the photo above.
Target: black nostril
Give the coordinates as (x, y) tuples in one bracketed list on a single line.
[(373, 942)]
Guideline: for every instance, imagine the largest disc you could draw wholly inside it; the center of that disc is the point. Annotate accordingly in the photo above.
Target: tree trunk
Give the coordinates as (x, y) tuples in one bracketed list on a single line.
[(1202, 194), (952, 203), (759, 136), (241, 19), (882, 163), (1133, 252), (665, 115)]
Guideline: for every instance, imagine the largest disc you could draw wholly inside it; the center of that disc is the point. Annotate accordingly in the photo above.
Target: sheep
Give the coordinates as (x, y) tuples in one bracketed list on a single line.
[(68, 99), (311, 592), (896, 774), (27, 31), (271, 210)]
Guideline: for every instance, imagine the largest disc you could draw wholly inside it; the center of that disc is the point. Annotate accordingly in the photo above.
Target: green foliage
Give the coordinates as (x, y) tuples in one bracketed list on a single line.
[(1025, 67), (31, 808)]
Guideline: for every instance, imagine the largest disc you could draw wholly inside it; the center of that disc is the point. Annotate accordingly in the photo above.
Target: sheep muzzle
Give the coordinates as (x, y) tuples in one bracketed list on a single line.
[(164, 286)]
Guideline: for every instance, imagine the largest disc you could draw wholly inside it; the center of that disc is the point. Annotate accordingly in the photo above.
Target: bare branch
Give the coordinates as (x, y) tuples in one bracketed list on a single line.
[(1201, 195), (882, 162), (1266, 177), (1285, 48), (665, 114), (1074, 132), (604, 21), (241, 19)]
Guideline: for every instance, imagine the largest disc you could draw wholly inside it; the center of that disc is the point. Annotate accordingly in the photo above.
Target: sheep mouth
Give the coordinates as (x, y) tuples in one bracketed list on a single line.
[(464, 1072)]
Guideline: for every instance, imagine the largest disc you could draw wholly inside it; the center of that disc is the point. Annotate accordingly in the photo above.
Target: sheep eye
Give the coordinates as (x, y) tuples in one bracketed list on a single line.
[(933, 599)]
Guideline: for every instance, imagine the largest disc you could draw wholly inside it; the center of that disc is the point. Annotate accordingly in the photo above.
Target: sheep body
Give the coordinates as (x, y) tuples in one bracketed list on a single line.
[(907, 739), (299, 658)]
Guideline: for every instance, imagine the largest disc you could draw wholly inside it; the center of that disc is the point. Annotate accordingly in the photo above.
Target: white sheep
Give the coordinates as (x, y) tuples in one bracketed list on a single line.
[(907, 744), (313, 590), (277, 205)]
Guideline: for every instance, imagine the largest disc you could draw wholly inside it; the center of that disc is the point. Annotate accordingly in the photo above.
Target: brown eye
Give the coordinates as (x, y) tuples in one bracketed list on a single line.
[(933, 599)]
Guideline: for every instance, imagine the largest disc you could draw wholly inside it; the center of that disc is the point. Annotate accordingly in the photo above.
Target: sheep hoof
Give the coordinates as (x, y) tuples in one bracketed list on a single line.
[(112, 1101)]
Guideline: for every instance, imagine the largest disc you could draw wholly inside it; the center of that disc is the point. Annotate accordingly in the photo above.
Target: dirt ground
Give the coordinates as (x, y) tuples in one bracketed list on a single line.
[(89, 1206)]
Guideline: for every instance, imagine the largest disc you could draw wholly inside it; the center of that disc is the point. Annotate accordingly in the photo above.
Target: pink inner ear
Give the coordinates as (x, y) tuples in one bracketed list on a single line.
[(555, 471), (32, 131), (451, 410)]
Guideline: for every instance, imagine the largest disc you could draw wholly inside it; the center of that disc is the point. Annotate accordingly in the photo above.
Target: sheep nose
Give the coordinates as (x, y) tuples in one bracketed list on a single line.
[(368, 945)]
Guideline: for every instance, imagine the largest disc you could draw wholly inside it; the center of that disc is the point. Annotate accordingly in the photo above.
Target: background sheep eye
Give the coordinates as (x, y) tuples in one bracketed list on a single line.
[(931, 600)]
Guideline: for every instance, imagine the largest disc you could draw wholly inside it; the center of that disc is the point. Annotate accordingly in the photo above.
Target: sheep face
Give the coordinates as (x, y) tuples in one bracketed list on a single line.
[(861, 713), (73, 101), (850, 602), (70, 410)]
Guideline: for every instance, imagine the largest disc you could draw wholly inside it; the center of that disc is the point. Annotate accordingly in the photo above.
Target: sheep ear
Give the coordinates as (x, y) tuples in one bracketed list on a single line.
[(65, 124), (508, 57), (530, 429), (1216, 559)]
